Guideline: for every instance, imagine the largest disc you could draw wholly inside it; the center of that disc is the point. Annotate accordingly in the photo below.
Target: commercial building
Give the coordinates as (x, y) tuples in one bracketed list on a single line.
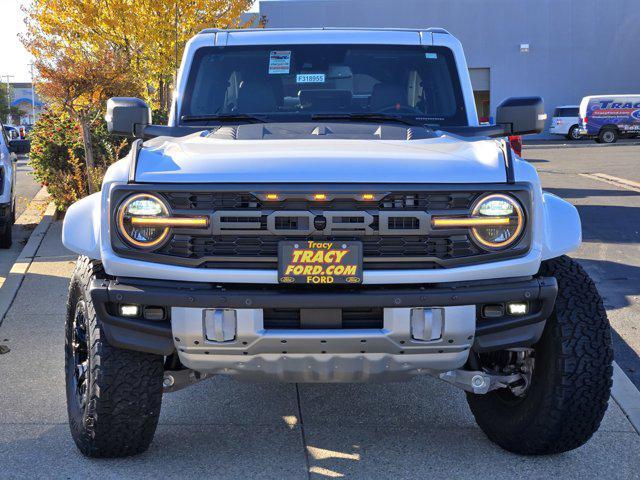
[(560, 50), (27, 102)]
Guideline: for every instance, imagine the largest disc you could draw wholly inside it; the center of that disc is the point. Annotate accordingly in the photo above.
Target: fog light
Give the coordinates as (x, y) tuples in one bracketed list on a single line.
[(517, 308), (129, 310), (153, 313), (493, 311)]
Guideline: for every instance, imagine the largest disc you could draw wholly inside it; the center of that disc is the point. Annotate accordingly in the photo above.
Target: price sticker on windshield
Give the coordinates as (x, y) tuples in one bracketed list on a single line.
[(310, 78), (279, 62)]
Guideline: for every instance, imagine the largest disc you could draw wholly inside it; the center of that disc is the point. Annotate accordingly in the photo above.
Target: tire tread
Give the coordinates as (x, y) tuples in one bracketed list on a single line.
[(125, 392)]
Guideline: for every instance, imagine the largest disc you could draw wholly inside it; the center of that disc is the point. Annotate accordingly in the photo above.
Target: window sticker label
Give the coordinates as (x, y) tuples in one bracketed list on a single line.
[(279, 62), (310, 78), (431, 56)]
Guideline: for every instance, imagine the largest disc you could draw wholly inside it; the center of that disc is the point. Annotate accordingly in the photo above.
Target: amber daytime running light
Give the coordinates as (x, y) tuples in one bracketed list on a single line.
[(496, 221), (144, 220)]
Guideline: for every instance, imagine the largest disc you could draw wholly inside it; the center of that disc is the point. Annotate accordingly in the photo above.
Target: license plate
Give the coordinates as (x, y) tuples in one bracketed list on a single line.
[(319, 262)]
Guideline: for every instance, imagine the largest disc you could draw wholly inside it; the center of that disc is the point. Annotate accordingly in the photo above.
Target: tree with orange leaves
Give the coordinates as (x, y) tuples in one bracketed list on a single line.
[(80, 82)]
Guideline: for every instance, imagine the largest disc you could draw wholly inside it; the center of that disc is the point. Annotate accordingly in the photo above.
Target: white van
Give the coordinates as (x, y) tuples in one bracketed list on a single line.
[(565, 121)]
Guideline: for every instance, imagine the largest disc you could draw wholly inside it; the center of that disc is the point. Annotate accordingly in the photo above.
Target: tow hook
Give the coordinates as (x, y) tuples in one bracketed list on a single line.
[(480, 382), (175, 380)]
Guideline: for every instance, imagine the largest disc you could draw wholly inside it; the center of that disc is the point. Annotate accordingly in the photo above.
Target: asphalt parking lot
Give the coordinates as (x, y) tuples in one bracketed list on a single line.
[(222, 428), (610, 216)]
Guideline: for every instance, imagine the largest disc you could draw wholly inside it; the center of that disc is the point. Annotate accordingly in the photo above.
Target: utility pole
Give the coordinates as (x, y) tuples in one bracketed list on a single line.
[(175, 64), (8, 95), (33, 97)]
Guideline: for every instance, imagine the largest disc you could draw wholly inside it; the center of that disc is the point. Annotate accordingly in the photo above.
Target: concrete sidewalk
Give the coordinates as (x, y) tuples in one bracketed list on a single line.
[(221, 428)]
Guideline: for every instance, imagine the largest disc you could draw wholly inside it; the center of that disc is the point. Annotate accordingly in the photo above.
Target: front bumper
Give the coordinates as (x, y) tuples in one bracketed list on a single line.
[(322, 354)]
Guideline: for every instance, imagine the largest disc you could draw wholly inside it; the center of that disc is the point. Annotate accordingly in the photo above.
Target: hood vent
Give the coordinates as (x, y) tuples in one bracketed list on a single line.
[(310, 130)]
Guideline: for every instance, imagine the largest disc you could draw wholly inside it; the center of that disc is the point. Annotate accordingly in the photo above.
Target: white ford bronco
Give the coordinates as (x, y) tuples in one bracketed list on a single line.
[(323, 206)]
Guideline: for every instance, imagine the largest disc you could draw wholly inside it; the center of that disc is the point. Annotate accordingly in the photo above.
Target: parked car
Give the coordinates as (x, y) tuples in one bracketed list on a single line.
[(566, 122), (9, 149), (606, 118), (12, 132), (324, 207)]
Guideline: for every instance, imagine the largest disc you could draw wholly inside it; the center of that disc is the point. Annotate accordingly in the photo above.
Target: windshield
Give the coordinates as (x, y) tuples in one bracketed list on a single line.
[(298, 82)]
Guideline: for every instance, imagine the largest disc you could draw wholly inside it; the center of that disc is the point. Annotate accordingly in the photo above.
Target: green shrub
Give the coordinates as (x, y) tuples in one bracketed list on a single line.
[(57, 156)]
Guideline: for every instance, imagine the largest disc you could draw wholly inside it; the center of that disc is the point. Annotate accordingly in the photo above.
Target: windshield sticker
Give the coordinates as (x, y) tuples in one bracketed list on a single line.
[(310, 78), (279, 62), (431, 56)]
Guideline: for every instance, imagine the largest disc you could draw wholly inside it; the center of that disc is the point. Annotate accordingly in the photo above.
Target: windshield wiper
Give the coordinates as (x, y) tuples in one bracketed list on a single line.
[(373, 117), (224, 117)]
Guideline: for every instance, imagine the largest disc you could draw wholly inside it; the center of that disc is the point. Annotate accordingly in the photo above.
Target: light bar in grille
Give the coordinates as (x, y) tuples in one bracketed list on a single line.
[(178, 222)]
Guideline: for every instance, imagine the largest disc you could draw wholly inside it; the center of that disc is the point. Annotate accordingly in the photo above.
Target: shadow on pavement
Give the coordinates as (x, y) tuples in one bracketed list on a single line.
[(617, 282), (590, 192), (610, 223)]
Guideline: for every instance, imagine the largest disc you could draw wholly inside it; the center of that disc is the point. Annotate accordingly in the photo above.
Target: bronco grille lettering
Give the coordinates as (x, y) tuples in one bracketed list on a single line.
[(348, 223)]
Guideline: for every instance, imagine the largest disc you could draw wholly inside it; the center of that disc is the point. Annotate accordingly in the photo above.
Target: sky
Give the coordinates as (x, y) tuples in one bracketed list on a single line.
[(14, 59)]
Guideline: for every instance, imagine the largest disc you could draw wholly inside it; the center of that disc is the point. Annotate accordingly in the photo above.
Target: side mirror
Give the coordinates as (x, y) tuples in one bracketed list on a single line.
[(126, 116), (19, 147), (522, 114)]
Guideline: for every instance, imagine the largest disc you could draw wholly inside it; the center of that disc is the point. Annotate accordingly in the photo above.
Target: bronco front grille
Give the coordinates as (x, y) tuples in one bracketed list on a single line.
[(379, 252), (392, 201), (246, 226)]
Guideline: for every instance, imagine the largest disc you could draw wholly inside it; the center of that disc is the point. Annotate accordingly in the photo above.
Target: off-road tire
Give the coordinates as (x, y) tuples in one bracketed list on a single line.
[(6, 237), (608, 135), (571, 381), (124, 388)]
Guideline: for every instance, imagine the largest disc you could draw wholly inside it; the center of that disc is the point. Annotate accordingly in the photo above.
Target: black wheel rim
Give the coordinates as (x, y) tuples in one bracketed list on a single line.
[(79, 356)]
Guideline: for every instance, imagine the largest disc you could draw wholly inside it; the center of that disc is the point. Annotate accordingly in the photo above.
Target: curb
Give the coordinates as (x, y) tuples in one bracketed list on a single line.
[(627, 396), (17, 273)]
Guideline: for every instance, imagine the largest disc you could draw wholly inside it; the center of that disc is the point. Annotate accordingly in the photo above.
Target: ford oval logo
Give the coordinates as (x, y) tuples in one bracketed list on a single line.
[(636, 114)]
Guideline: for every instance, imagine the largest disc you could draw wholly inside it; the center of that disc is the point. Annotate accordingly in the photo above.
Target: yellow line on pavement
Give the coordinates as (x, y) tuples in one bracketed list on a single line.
[(620, 182)]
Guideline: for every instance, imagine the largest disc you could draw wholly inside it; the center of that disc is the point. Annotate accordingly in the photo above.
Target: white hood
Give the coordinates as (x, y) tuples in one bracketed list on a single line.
[(196, 159)]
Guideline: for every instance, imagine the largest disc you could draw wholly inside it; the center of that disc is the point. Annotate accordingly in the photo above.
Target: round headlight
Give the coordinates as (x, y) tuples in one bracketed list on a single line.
[(498, 206), (131, 217)]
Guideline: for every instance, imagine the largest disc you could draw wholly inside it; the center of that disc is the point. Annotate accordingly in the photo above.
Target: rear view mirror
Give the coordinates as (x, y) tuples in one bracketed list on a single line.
[(127, 116), (19, 147), (522, 114)]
